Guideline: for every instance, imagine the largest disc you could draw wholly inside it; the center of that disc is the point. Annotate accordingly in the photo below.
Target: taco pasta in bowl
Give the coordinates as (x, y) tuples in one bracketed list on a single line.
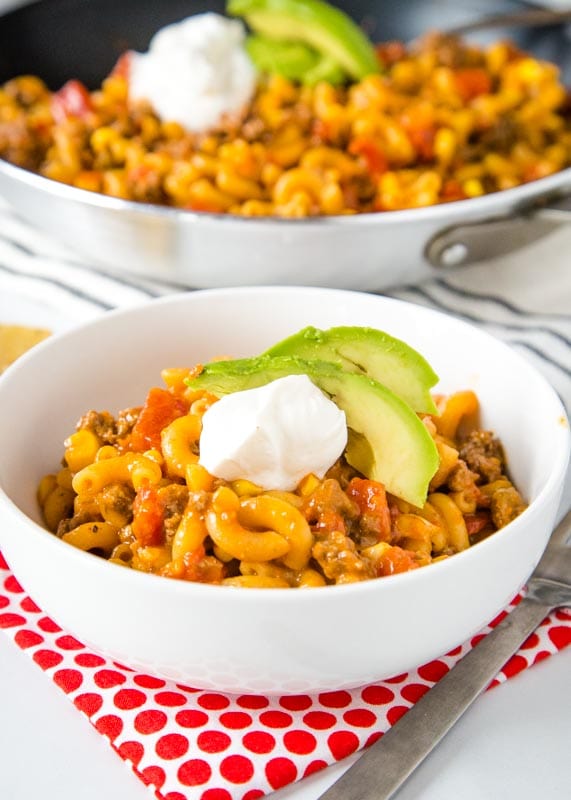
[(378, 588)]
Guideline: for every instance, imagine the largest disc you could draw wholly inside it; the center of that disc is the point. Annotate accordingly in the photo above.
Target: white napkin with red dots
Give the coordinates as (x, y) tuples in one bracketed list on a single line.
[(190, 744)]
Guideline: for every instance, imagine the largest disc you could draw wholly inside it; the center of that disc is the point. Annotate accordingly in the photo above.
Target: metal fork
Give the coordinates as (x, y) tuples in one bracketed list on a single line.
[(529, 18), (385, 766)]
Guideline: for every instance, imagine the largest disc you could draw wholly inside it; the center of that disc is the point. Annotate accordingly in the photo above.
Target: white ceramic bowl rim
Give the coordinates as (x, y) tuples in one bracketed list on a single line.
[(560, 460)]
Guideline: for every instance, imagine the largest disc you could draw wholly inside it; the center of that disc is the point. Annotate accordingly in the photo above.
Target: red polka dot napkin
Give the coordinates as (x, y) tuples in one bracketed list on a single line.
[(201, 745)]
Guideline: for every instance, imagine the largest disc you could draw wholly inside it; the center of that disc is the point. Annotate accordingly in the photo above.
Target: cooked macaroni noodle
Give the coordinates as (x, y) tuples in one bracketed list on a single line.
[(132, 491)]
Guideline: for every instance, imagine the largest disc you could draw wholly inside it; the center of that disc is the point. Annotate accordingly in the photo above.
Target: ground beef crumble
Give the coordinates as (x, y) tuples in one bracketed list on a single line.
[(106, 427), (483, 454)]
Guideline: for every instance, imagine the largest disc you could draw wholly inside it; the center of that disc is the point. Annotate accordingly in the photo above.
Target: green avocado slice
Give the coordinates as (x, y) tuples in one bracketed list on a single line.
[(290, 59), (375, 353), (293, 60), (325, 28), (387, 441), (326, 70)]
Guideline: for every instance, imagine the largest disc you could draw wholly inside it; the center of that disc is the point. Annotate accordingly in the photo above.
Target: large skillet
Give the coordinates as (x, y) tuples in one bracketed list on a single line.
[(63, 39)]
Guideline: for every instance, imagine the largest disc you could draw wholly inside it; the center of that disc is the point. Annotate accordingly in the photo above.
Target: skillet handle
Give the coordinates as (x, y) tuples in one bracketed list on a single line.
[(472, 242)]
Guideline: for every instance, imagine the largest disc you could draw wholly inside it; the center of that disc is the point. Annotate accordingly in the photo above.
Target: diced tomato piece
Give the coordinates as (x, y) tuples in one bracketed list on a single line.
[(321, 130), (371, 499), (329, 520), (452, 190), (372, 154), (72, 100), (541, 169), (201, 568), (389, 53), (200, 205), (420, 126), (160, 409), (148, 515), (195, 566), (472, 82), (140, 173), (476, 522), (395, 560), (192, 557), (369, 495), (422, 139), (122, 65)]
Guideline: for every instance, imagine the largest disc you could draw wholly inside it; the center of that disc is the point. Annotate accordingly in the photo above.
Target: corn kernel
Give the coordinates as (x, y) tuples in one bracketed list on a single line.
[(245, 488), (308, 484), (473, 188)]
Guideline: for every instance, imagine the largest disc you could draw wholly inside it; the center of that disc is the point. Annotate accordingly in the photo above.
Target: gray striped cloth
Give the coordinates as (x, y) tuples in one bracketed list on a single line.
[(524, 298)]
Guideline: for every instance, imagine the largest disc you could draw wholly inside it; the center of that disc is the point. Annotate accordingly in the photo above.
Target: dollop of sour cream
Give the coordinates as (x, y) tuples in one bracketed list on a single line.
[(274, 435), (195, 72)]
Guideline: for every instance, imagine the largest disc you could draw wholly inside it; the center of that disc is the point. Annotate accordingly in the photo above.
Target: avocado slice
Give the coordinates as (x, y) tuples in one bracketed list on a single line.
[(326, 70), (375, 353), (387, 441), (289, 59), (293, 60), (325, 28)]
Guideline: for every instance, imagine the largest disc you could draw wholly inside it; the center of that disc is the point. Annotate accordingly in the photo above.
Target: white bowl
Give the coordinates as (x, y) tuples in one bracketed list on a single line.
[(256, 640)]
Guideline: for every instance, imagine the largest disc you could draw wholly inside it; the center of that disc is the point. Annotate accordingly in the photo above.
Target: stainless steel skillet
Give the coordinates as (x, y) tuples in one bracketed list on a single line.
[(63, 39)]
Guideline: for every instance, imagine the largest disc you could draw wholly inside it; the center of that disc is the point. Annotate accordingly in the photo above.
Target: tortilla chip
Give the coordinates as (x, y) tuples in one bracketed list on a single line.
[(15, 340)]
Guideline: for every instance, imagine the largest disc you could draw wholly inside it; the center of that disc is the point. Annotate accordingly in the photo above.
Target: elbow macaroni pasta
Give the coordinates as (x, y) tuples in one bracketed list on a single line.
[(127, 468), (228, 533), (445, 121), (178, 443), (93, 536), (137, 496)]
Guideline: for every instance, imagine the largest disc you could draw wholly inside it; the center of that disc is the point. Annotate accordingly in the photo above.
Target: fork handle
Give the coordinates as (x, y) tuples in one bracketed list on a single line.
[(386, 765), (529, 18)]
